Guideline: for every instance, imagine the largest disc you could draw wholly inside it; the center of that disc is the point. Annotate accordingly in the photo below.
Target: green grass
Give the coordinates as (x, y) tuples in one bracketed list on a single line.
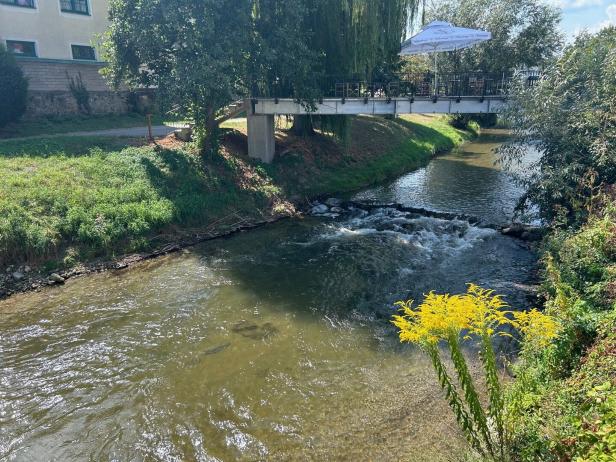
[(59, 125), (65, 199), (378, 149), (92, 200)]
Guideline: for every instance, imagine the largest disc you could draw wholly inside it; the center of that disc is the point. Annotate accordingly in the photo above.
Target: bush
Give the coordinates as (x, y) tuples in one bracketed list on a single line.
[(561, 404), (569, 117), (13, 88)]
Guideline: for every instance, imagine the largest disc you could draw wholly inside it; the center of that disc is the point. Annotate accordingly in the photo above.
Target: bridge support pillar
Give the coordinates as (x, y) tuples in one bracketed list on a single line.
[(261, 141)]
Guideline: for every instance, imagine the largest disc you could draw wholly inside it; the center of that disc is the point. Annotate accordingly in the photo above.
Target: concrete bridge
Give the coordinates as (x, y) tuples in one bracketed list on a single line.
[(418, 94)]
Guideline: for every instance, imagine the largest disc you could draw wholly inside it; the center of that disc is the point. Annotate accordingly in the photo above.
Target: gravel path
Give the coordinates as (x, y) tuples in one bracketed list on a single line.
[(132, 132)]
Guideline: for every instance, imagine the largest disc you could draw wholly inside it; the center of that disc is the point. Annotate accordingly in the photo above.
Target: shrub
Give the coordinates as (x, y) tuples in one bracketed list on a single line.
[(80, 92), (569, 117), (13, 88), (561, 404)]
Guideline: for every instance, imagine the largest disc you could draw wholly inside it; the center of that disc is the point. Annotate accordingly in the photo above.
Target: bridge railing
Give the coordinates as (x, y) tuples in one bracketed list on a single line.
[(452, 85)]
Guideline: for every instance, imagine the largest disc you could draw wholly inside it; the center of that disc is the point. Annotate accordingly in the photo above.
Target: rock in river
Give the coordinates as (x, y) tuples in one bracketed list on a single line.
[(319, 209), (333, 202), (55, 277), (254, 331), (18, 276)]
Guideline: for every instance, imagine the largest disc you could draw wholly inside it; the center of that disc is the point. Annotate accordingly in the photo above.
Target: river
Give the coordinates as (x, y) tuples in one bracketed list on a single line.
[(268, 345)]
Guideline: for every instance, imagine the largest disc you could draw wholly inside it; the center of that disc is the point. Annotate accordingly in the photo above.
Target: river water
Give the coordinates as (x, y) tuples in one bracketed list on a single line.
[(268, 345)]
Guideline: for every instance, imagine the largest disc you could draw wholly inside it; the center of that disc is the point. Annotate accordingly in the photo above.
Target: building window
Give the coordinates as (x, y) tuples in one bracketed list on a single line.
[(20, 48), (83, 52), (75, 6), (24, 3)]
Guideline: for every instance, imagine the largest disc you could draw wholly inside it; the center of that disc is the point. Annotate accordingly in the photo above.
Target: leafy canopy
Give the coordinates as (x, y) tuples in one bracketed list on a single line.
[(524, 33), (570, 117)]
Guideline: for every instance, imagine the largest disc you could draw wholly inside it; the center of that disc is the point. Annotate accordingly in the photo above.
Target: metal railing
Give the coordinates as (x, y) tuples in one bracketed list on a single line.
[(426, 85)]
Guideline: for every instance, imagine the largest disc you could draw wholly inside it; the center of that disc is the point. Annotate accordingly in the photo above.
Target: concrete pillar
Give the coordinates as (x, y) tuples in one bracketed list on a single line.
[(261, 141)]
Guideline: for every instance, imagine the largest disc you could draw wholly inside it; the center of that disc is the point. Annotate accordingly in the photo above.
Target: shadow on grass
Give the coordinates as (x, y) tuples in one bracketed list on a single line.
[(201, 190), (69, 146)]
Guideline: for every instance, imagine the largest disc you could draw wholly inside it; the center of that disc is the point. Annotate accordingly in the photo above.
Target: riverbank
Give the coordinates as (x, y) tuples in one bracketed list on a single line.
[(72, 206), (562, 405)]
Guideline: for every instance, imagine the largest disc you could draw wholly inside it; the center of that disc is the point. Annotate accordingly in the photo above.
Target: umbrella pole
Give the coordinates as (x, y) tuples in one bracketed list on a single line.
[(435, 75)]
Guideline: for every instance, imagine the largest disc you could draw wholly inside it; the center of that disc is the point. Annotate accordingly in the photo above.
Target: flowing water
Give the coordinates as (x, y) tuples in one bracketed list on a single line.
[(268, 345)]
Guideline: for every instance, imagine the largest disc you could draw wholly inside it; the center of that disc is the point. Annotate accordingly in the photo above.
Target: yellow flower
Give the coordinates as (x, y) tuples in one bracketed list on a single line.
[(536, 327), (479, 312)]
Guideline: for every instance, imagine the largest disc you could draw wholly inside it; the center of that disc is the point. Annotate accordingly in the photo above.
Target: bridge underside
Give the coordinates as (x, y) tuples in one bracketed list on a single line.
[(261, 113)]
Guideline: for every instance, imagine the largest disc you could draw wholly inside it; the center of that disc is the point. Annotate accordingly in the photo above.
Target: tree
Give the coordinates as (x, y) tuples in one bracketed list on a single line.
[(525, 33), (570, 117), (13, 88), (356, 38), (201, 56), (193, 53)]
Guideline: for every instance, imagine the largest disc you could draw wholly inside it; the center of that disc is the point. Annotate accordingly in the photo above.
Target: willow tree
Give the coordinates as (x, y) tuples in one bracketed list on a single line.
[(355, 38)]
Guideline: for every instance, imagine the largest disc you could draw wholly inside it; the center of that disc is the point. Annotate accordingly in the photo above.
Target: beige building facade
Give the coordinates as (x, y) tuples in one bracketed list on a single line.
[(55, 28), (55, 41)]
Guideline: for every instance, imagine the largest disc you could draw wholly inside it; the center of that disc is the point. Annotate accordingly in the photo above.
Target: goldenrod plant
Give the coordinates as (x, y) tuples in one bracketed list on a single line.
[(481, 314)]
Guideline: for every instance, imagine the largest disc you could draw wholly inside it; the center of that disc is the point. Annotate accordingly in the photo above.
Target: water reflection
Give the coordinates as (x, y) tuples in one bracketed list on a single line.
[(468, 181)]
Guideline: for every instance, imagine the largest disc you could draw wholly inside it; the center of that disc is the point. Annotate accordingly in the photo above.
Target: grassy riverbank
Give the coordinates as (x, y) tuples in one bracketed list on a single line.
[(563, 403), (70, 200)]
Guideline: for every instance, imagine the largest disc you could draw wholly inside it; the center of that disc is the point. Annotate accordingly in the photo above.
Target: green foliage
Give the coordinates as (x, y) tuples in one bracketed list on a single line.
[(559, 406), (525, 33), (80, 92), (13, 88), (203, 55), (569, 116), (100, 198), (356, 38)]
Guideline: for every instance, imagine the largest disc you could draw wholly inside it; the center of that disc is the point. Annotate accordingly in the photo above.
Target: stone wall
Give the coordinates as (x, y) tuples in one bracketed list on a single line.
[(62, 103), (49, 93)]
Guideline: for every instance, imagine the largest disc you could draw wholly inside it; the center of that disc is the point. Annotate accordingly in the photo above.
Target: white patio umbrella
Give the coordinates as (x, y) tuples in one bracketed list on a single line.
[(442, 36)]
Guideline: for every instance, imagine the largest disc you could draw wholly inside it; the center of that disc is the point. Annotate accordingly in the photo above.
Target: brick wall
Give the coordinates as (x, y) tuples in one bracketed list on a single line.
[(49, 94), (48, 75)]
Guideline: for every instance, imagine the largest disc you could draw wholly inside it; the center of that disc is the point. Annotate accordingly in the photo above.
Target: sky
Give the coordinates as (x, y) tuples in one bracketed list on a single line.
[(591, 15)]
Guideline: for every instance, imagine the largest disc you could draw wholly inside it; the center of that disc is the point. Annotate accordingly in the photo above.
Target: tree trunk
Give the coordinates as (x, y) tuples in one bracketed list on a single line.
[(209, 142), (302, 126)]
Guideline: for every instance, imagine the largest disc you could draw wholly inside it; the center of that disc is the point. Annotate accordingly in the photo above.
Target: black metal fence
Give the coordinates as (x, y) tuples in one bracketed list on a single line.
[(428, 85)]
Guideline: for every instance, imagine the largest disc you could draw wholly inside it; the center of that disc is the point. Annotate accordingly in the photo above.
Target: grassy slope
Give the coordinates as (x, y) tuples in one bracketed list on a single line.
[(64, 200), (59, 125)]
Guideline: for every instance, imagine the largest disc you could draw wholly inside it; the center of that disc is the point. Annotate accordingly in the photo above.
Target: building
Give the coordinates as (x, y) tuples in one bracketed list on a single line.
[(56, 41)]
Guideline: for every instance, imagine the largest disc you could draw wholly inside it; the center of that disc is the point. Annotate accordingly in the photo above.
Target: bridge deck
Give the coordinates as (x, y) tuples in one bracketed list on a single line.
[(379, 106)]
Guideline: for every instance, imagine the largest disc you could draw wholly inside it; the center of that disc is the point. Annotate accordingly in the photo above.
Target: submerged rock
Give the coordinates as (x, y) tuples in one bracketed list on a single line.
[(18, 276), (319, 209), (216, 349), (254, 331), (333, 202)]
